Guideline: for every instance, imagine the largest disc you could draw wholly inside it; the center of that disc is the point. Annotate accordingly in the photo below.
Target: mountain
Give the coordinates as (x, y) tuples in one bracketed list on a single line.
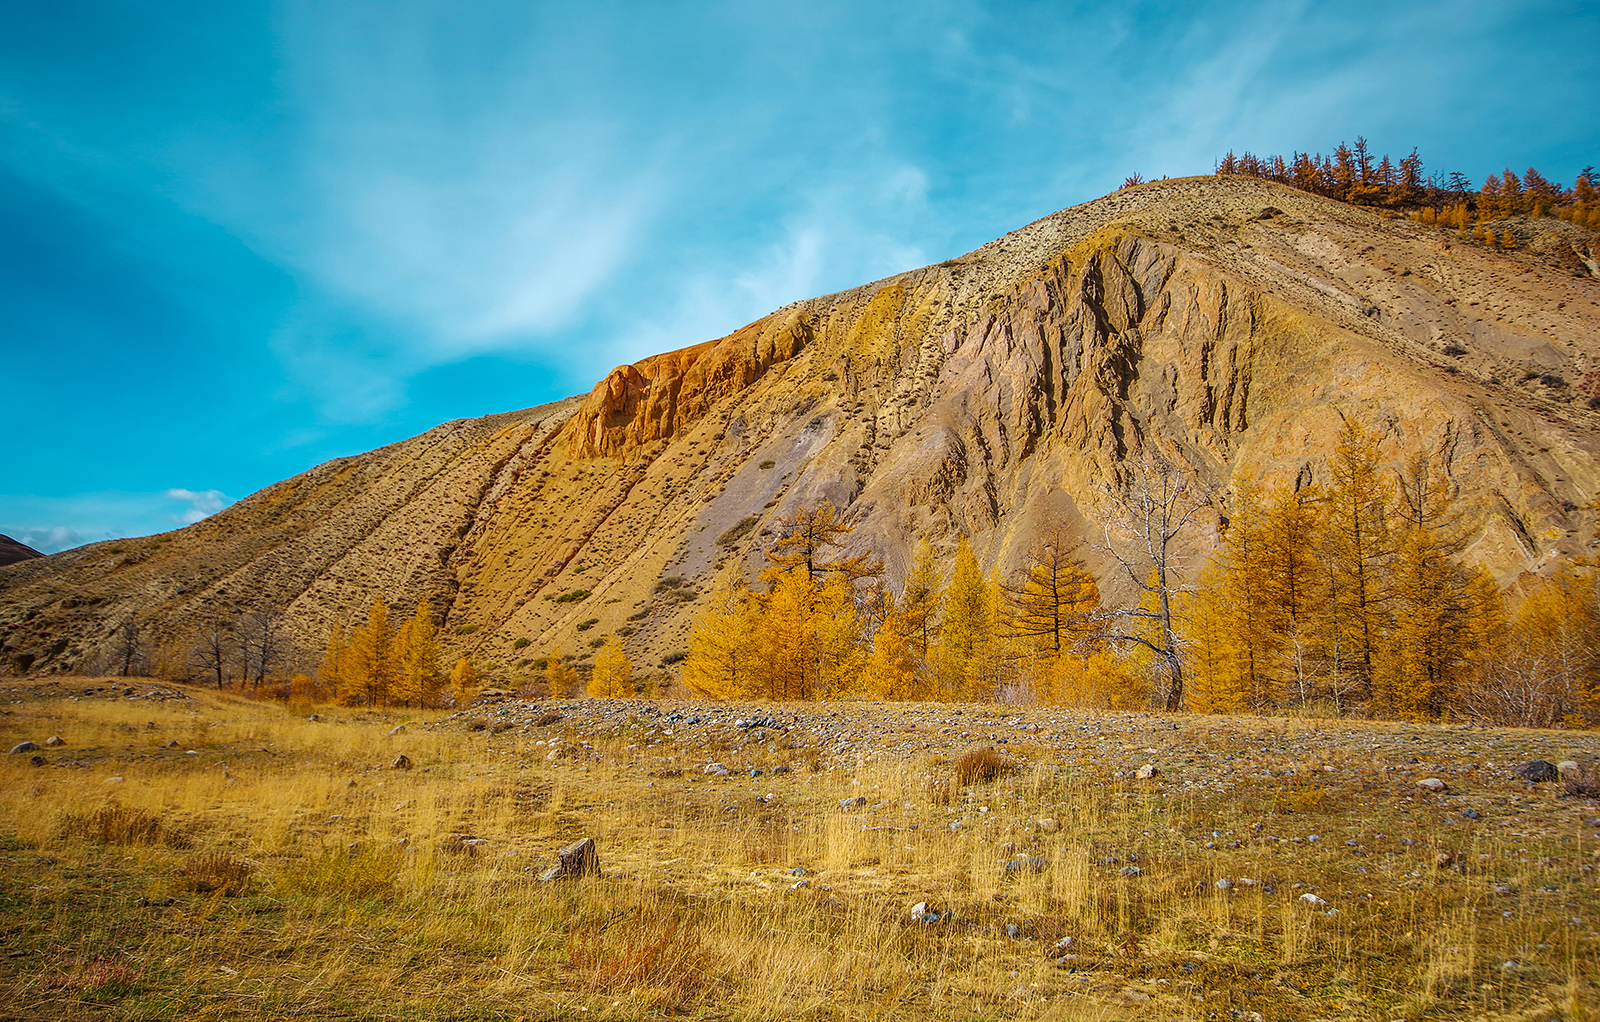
[(11, 551), (1227, 323)]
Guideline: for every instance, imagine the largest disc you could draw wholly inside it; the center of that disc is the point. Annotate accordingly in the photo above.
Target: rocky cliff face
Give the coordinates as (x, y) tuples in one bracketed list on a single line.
[(1228, 324)]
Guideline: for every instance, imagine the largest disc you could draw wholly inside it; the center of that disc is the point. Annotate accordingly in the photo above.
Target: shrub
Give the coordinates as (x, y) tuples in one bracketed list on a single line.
[(767, 464), (573, 597), (673, 658), (670, 582), (653, 952), (740, 530), (584, 626), (984, 764), (520, 643)]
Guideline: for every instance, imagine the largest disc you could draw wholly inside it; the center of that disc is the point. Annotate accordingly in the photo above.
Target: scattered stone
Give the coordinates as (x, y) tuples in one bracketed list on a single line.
[(1537, 771), (1444, 860), (1146, 772), (756, 771), (1063, 945), (314, 717), (923, 912), (1505, 890), (1431, 784), (798, 871), (1049, 826), (1224, 884), (37, 761), (22, 747), (1012, 930), (464, 844), (401, 762), (1130, 871), (396, 730), (781, 768), (1471, 814), (716, 770), (1312, 899), (1026, 864), (171, 744), (853, 803), (1567, 768), (113, 780), (55, 742)]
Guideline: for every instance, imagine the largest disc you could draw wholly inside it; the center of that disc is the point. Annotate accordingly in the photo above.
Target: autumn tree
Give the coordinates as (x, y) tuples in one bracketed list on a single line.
[(805, 538), (559, 675), (966, 634), (722, 661), (612, 677), (1358, 551), (463, 682), (370, 670), (416, 656)]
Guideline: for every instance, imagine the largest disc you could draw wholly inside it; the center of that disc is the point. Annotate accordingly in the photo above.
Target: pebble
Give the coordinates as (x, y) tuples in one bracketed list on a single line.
[(1431, 784), (55, 741)]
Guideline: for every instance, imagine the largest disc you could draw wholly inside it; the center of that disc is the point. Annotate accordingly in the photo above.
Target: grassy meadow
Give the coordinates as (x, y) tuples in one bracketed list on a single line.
[(203, 856)]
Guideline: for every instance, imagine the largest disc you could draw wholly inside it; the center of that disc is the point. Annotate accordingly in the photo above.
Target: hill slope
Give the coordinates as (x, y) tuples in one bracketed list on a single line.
[(1228, 323)]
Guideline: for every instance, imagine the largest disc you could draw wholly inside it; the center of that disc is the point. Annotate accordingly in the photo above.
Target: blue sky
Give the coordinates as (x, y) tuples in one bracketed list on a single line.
[(238, 239)]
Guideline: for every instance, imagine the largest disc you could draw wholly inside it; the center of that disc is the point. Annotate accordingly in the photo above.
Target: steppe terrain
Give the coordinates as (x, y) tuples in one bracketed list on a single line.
[(185, 854)]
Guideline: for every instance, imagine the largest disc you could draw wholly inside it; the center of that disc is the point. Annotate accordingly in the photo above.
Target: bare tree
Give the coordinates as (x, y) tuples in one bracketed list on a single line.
[(261, 643), (127, 650), (1142, 530), (213, 647)]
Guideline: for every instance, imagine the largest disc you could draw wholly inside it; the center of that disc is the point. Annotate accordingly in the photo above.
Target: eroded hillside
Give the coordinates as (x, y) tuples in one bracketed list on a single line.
[(1227, 323)]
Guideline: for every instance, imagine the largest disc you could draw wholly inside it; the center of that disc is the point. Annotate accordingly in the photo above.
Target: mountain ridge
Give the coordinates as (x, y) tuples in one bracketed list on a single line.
[(1226, 323)]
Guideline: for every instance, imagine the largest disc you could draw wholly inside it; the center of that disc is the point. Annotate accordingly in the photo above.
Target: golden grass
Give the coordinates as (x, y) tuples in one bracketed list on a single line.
[(319, 881)]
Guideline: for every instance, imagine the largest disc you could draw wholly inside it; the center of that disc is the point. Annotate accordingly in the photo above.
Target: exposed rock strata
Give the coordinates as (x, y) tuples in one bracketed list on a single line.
[(1227, 323)]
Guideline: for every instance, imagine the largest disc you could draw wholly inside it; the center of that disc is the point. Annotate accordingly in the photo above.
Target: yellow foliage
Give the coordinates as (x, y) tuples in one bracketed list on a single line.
[(613, 674)]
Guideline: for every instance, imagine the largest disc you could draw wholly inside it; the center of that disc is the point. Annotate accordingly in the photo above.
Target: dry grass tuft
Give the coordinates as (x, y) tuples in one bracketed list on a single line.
[(215, 872), (115, 824), (359, 872), (652, 952), (984, 764)]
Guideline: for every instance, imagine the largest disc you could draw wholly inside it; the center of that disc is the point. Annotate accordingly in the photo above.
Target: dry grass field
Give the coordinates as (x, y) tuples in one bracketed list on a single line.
[(185, 854)]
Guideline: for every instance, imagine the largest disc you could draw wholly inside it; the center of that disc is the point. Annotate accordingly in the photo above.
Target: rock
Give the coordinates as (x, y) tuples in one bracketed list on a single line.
[(1567, 768), (55, 742), (1224, 884), (1048, 826), (924, 912), (37, 761), (1537, 771), (172, 744), (581, 858), (21, 747), (852, 803), (401, 762), (1444, 860), (314, 717), (114, 780), (716, 770), (1471, 814), (1130, 871), (1431, 784), (780, 769), (1026, 864), (1312, 899), (1146, 772), (396, 730), (798, 871), (756, 771)]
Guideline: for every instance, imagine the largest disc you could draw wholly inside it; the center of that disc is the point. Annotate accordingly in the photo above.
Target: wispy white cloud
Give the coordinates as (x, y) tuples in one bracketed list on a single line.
[(51, 524), (202, 504)]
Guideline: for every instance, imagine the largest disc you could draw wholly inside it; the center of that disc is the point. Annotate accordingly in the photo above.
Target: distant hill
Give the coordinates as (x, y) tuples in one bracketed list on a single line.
[(1226, 322), (11, 551)]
